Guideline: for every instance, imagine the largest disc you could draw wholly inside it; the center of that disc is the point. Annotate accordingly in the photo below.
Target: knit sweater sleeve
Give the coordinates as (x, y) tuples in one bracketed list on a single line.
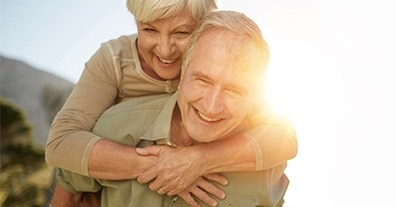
[(70, 139)]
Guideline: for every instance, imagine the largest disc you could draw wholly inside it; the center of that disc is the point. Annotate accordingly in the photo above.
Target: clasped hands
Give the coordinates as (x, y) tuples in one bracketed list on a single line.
[(181, 171)]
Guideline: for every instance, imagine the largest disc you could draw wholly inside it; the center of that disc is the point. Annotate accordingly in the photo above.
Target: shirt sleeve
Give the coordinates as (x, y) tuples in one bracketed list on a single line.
[(75, 183), (70, 139), (273, 139)]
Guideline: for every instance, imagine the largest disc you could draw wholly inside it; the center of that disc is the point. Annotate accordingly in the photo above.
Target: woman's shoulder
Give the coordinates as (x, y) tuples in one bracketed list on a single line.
[(121, 40), (123, 46)]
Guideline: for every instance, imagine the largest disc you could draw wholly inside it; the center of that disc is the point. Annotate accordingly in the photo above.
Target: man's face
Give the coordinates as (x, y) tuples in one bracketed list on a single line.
[(216, 90)]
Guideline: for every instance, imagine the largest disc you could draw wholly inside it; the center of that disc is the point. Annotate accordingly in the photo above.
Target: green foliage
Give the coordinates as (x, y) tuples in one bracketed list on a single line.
[(11, 154), (24, 177), (13, 122)]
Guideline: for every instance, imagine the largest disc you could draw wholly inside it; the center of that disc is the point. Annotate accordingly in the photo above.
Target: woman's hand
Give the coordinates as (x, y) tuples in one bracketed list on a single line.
[(176, 168), (202, 188)]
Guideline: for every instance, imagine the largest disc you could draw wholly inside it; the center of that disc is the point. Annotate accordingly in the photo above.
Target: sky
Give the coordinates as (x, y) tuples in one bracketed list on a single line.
[(332, 72)]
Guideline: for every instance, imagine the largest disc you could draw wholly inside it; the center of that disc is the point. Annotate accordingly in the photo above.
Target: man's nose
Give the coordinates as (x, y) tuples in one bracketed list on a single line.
[(213, 102)]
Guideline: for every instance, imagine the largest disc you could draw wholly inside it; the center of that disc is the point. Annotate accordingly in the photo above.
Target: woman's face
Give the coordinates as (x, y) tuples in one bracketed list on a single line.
[(161, 45)]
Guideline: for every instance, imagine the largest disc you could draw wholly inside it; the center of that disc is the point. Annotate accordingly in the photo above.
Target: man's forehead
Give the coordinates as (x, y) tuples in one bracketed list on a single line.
[(216, 34), (217, 43)]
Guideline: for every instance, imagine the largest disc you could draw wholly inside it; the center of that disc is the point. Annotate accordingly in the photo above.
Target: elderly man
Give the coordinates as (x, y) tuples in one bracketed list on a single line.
[(219, 90)]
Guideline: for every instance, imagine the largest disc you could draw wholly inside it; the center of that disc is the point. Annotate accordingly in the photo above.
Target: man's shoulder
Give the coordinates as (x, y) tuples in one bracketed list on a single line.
[(137, 104), (128, 120)]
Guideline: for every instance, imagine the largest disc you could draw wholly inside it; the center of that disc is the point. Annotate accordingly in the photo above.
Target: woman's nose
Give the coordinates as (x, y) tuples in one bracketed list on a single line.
[(165, 46)]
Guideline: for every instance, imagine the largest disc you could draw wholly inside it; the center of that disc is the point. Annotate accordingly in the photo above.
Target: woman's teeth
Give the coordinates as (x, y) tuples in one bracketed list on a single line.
[(166, 61)]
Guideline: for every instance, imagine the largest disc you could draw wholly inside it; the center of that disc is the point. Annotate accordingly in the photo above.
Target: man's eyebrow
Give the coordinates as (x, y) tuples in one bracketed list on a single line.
[(201, 74), (234, 85)]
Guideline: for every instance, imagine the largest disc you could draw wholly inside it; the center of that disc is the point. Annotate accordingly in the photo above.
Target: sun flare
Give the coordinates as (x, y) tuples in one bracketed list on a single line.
[(305, 86)]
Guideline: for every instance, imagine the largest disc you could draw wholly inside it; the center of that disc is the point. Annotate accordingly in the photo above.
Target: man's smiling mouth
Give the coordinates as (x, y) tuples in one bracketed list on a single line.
[(206, 118)]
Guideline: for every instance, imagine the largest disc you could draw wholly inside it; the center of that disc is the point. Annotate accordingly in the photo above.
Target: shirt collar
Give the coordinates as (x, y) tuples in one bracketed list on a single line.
[(159, 131)]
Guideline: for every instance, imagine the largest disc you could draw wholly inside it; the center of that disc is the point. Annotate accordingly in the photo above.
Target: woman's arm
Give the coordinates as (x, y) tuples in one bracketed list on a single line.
[(113, 161), (260, 148), (70, 139)]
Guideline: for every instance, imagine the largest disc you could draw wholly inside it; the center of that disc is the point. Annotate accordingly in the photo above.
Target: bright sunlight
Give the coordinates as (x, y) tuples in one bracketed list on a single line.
[(305, 85)]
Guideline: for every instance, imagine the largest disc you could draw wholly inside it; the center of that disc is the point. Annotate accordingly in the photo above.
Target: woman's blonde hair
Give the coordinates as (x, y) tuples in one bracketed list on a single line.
[(152, 10)]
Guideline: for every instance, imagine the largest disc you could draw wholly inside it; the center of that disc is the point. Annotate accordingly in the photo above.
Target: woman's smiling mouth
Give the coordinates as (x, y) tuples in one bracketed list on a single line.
[(165, 61)]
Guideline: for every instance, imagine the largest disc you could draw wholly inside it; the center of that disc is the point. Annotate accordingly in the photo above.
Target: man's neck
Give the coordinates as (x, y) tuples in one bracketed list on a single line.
[(178, 132)]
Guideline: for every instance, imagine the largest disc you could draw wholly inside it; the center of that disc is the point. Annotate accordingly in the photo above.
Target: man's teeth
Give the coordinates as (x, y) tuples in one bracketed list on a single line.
[(207, 118), (166, 61)]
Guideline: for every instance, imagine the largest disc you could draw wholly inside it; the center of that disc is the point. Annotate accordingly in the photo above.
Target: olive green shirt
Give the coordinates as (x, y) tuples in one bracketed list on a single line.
[(261, 188)]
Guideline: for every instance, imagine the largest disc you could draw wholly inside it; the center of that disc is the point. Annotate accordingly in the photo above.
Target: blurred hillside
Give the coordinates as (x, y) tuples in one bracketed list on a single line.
[(29, 100), (39, 94)]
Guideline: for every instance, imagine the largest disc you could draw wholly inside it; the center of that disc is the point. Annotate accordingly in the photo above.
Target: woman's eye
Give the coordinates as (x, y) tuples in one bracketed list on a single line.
[(183, 34), (149, 30)]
